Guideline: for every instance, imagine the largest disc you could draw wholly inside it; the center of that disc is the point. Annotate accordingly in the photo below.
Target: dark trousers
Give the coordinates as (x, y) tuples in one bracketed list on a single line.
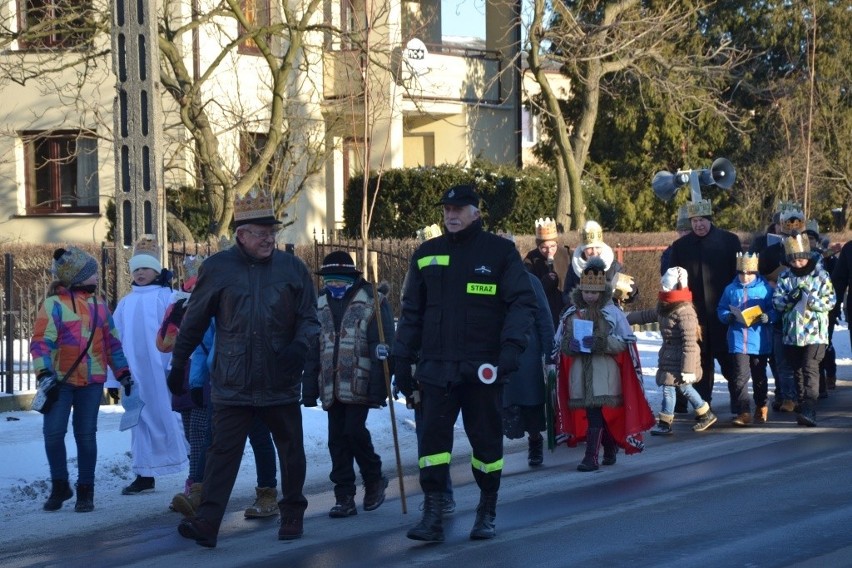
[(805, 362), (749, 367), (828, 365), (231, 425), (348, 440), (708, 372), (482, 416)]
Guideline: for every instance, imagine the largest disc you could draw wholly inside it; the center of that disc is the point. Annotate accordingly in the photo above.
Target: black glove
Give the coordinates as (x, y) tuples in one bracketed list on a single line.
[(509, 360), (197, 396), (763, 318), (175, 379), (293, 357), (574, 345), (794, 296), (730, 318), (113, 394), (309, 402), (178, 309), (403, 379), (126, 382)]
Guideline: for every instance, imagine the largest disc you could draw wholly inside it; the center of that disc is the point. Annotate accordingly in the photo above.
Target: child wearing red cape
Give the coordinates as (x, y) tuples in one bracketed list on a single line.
[(600, 398)]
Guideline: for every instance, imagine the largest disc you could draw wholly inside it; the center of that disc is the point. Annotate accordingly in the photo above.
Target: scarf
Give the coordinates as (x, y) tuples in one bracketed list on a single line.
[(683, 295)]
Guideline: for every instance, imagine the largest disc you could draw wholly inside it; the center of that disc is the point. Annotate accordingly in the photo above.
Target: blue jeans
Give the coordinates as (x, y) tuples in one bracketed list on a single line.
[(264, 453), (86, 401), (686, 390)]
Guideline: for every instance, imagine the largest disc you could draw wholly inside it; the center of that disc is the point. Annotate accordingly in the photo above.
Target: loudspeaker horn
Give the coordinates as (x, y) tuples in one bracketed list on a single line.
[(666, 184), (723, 173)]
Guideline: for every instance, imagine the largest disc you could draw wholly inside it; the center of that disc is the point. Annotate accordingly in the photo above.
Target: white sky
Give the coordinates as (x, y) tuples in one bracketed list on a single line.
[(463, 18), (24, 474)]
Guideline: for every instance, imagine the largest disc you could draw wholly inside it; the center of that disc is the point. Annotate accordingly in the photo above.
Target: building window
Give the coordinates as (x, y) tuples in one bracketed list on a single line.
[(353, 22), (61, 172), (56, 23), (257, 13)]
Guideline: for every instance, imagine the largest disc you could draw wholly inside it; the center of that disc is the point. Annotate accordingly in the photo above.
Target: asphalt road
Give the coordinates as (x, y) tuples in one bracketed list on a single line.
[(775, 495)]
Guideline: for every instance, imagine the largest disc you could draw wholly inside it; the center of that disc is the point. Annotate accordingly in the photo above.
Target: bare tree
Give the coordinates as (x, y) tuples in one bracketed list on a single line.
[(591, 42)]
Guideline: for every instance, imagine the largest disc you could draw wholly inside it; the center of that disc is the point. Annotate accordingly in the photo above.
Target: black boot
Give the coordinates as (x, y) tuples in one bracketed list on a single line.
[(486, 511), (431, 526), (85, 498), (535, 456), (374, 493), (59, 493), (345, 507), (593, 446), (610, 448)]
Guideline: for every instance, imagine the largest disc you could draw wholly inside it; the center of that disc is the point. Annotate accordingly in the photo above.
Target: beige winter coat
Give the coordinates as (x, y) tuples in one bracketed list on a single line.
[(679, 352)]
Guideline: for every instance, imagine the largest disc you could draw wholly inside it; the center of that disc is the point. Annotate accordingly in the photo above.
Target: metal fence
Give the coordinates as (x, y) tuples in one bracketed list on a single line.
[(21, 300)]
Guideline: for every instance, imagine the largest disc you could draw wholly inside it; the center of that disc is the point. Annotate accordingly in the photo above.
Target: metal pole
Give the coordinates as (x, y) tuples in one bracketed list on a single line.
[(8, 304)]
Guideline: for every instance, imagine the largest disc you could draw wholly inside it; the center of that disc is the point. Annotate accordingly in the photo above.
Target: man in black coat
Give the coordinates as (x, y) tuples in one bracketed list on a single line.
[(708, 254), (466, 308)]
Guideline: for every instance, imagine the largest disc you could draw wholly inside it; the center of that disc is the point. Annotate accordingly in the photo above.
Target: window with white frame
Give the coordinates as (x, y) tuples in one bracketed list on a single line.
[(61, 172)]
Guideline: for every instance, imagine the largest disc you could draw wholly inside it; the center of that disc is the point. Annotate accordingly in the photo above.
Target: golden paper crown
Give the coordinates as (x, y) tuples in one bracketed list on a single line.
[(254, 207), (746, 262), (592, 234), (147, 244), (683, 223), (622, 286), (700, 208), (545, 229), (797, 246), (593, 278), (429, 232)]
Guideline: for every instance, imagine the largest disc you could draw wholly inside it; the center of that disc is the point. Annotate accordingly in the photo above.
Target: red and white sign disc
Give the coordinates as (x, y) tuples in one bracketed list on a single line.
[(487, 373)]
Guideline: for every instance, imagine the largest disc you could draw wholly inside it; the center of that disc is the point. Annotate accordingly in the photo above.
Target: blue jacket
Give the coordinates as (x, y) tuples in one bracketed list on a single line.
[(756, 339)]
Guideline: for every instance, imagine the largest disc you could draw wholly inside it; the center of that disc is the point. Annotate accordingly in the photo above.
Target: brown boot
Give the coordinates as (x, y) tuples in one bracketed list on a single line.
[(265, 505), (761, 415), (743, 419), (187, 505)]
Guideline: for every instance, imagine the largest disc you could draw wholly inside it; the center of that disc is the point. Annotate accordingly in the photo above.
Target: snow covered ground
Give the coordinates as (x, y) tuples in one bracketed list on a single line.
[(25, 484)]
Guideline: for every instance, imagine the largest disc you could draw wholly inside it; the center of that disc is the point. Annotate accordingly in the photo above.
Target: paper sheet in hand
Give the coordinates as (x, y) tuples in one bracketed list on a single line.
[(802, 304), (583, 328), (133, 405)]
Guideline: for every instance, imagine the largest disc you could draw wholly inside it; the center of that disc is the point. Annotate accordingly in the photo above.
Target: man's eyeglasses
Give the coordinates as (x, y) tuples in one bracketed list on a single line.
[(263, 235)]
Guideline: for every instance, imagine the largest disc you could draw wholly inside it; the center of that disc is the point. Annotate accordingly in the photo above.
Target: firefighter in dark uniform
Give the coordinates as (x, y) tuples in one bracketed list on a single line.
[(466, 308)]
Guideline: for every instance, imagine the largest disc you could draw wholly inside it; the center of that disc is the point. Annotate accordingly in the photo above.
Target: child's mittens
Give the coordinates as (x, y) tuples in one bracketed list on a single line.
[(762, 318), (730, 318), (688, 378), (794, 295), (596, 343), (574, 345)]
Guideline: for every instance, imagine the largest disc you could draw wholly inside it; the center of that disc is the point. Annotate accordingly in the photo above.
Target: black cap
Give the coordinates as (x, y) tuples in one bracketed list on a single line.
[(338, 262), (460, 195)]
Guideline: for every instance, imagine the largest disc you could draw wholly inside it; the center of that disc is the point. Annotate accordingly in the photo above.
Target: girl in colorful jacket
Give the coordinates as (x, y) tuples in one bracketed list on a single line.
[(804, 297), (74, 340)]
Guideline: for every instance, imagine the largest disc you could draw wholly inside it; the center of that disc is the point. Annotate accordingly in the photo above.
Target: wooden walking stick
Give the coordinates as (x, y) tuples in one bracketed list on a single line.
[(374, 261)]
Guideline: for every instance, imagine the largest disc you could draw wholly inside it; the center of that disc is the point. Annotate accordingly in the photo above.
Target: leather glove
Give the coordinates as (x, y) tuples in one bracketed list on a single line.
[(309, 402), (688, 377), (126, 382), (113, 394), (509, 360), (293, 357), (45, 378), (403, 379), (794, 296), (574, 346), (763, 318), (178, 310), (176, 378), (197, 396)]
